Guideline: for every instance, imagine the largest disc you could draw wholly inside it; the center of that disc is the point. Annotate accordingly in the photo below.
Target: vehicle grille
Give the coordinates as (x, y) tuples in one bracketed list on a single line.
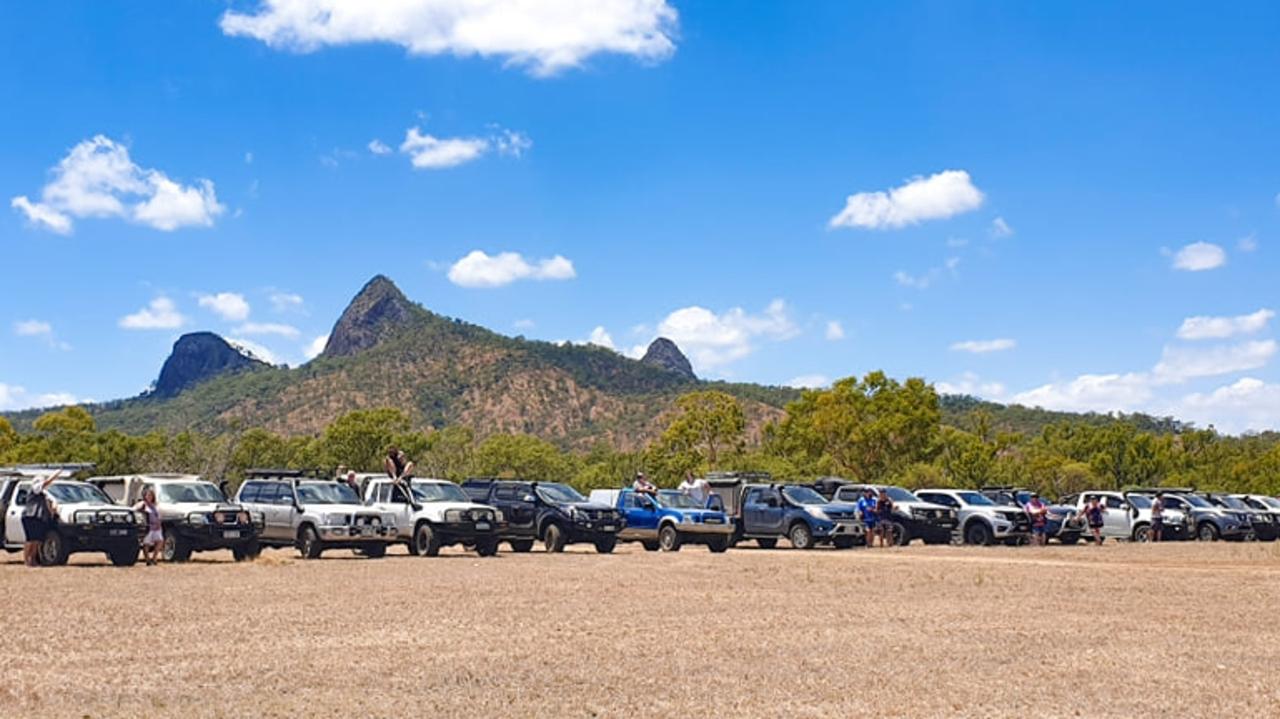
[(227, 517), (479, 515), (115, 518), (364, 520)]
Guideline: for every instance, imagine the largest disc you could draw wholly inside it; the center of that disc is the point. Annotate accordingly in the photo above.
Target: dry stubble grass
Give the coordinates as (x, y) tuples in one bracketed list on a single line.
[(922, 631)]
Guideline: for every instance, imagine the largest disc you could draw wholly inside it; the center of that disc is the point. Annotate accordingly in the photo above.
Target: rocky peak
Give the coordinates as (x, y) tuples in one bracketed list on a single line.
[(199, 356), (376, 310), (664, 353)]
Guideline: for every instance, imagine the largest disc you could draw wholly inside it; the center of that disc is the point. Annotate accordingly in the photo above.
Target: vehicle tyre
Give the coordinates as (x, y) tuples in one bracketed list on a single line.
[(309, 543), (978, 533), (487, 547), (123, 556), (174, 548), (606, 545), (521, 545), (767, 542), (425, 541), (553, 538), (1142, 533), (844, 542), (650, 546), (718, 545), (898, 535), (800, 536), (247, 551), (933, 541), (54, 550), (376, 550), (669, 538), (1207, 532)]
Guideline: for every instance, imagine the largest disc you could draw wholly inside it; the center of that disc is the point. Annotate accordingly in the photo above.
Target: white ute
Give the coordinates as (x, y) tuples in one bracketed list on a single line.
[(444, 515)]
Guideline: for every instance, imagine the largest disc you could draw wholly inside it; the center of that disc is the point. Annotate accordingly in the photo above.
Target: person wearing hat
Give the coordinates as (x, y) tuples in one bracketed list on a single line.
[(642, 485), (867, 511), (1039, 515)]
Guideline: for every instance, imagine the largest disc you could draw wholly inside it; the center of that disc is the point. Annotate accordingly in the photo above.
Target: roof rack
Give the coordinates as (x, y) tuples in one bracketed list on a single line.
[(267, 473), (1000, 488), (735, 477), (1166, 490)]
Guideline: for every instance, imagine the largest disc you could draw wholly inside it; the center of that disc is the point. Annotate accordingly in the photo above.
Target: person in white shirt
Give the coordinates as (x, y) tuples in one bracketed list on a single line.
[(696, 488), (643, 485)]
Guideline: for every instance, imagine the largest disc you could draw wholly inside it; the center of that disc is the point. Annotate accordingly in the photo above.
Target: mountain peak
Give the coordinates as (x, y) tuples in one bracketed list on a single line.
[(664, 354), (378, 307), (199, 356)]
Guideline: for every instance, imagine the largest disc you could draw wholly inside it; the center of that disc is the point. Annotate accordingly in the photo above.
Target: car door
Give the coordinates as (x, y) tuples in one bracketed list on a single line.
[(512, 500), (642, 515), (1116, 521), (396, 502), (277, 507), (13, 532)]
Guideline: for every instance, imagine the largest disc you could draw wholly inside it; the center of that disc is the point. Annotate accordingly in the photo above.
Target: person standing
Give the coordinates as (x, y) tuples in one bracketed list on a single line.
[(1157, 517), (154, 538), (867, 511), (884, 517), (37, 518), (1093, 514), (698, 488), (1039, 515)]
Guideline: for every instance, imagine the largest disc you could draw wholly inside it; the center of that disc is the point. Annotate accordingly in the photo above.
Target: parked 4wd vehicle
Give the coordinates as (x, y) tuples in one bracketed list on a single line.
[(1263, 503), (86, 520), (549, 512), (913, 518), (1208, 522), (981, 521), (444, 515), (313, 515), (195, 514), (668, 521), (1064, 522), (1127, 515), (1261, 520), (769, 512)]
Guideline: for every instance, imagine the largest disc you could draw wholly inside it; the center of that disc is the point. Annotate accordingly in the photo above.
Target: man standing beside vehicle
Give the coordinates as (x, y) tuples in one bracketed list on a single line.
[(866, 507), (1157, 516), (1039, 515), (884, 517), (37, 518)]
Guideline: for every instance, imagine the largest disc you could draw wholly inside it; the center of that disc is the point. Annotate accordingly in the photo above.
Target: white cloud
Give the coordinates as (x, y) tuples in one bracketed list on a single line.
[(545, 36), (835, 330), (268, 328), (713, 340), (809, 381), (1179, 364), (160, 314), (230, 306), (1091, 393), (14, 397), (427, 152), (919, 282), (255, 350), (510, 142), (984, 346), (936, 197), (1202, 327), (98, 179), (1248, 243), (316, 346), (285, 301), (524, 324), (601, 338), (1000, 228), (972, 385), (33, 328), (1199, 256), (956, 242), (1246, 404), (479, 269), (378, 147)]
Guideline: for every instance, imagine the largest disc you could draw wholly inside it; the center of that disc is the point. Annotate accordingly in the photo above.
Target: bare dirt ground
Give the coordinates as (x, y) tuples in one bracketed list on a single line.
[(1133, 631)]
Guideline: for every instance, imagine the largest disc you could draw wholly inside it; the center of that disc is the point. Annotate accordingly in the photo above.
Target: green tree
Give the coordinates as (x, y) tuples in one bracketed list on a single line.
[(360, 439), (524, 457), (708, 425)]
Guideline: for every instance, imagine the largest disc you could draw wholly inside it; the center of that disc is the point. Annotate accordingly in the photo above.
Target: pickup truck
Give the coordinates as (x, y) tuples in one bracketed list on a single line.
[(1063, 522), (766, 513), (550, 512), (444, 515), (1127, 515), (314, 515), (668, 521), (86, 520), (913, 518)]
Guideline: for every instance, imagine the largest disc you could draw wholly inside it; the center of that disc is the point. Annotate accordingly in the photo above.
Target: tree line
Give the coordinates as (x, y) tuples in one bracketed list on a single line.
[(873, 429)]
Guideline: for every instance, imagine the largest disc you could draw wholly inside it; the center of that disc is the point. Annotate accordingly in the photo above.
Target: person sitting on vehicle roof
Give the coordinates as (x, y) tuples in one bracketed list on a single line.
[(642, 485), (867, 511), (400, 469)]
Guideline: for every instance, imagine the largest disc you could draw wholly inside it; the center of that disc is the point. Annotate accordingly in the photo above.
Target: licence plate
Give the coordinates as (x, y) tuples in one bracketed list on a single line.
[(231, 534), (482, 526), (609, 527), (366, 531), (118, 532)]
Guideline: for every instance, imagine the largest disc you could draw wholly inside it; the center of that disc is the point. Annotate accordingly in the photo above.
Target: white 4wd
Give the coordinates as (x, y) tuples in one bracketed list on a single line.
[(1128, 516), (86, 521), (315, 514), (444, 515), (981, 521)]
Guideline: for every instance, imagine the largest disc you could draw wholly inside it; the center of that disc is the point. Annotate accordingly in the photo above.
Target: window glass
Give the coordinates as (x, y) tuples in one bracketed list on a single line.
[(506, 491), (20, 498), (631, 501), (1111, 502), (249, 492)]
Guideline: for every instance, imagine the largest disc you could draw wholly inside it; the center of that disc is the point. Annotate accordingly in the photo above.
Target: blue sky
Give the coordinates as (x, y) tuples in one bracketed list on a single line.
[(1086, 211)]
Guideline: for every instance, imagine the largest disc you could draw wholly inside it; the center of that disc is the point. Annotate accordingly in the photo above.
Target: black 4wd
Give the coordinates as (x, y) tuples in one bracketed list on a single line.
[(549, 512)]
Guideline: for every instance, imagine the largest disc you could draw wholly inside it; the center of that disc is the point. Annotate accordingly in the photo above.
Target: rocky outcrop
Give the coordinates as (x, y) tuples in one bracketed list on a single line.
[(197, 357), (664, 354), (372, 316)]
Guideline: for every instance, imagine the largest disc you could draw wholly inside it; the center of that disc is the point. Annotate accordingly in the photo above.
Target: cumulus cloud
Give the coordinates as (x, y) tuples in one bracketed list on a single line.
[(1199, 256), (835, 330), (1246, 404), (41, 330), (1000, 228), (254, 350), (809, 381), (230, 306), (1203, 327), (984, 346), (268, 328), (1179, 364), (98, 179), (316, 346), (919, 282), (544, 36), (378, 147), (1091, 393), (936, 197), (160, 314), (479, 269), (601, 338), (971, 384), (713, 340), (427, 152), (285, 301), (14, 397)]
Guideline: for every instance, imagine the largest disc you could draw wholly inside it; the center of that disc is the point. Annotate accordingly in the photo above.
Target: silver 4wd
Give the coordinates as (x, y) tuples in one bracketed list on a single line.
[(196, 516), (444, 515), (86, 520), (981, 521), (315, 514), (1127, 515)]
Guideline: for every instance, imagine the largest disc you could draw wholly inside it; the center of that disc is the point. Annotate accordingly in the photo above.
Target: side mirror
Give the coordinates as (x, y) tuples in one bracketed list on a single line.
[(528, 498)]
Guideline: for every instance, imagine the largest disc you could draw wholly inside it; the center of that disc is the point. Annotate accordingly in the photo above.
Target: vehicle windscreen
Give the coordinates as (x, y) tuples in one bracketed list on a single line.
[(678, 500), (189, 493), (975, 499), (1195, 501), (78, 494), (1233, 503), (803, 495), (1139, 501), (433, 492), (326, 493), (1271, 502), (556, 493), (898, 494)]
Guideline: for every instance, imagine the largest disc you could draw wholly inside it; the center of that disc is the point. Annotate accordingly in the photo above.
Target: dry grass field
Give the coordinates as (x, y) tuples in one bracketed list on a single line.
[(1132, 631)]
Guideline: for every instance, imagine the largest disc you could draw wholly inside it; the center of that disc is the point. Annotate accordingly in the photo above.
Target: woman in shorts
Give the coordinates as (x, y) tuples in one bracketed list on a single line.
[(1093, 511), (154, 540), (37, 517)]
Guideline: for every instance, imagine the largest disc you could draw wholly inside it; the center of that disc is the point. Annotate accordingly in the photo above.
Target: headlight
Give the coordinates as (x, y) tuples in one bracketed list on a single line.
[(497, 515), (258, 517), (453, 515), (332, 519), (242, 517), (84, 518), (376, 521), (197, 518), (573, 512)]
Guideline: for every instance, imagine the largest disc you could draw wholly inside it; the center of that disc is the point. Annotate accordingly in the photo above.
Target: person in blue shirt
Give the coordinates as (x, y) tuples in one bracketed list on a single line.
[(867, 511)]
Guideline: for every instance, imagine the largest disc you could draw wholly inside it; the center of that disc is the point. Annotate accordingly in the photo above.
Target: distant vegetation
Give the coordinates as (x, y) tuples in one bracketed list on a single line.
[(873, 429)]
